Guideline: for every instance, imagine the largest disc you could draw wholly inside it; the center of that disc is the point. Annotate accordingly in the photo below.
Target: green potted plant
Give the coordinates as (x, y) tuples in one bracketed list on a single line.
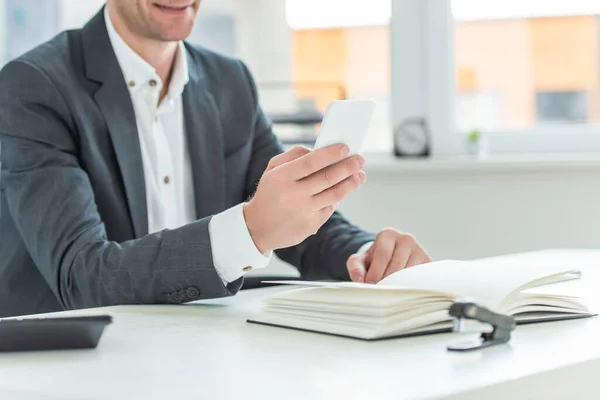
[(476, 143)]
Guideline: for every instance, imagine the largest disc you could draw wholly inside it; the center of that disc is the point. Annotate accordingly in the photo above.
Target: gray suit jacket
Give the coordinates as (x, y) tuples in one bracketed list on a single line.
[(73, 225)]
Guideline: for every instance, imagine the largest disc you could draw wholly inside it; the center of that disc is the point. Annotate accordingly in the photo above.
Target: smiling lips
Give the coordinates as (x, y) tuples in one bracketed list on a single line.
[(174, 9)]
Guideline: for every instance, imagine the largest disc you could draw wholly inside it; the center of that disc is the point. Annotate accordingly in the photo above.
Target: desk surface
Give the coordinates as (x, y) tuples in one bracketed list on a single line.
[(206, 350)]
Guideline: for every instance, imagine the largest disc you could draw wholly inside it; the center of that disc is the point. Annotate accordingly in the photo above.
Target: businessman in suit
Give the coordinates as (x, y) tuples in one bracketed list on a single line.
[(140, 169)]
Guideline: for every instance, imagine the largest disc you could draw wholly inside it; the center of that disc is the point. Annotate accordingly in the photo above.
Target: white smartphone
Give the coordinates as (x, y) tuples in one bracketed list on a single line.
[(346, 122)]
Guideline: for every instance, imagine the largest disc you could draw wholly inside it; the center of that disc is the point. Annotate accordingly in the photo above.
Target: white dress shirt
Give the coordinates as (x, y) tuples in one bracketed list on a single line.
[(167, 166)]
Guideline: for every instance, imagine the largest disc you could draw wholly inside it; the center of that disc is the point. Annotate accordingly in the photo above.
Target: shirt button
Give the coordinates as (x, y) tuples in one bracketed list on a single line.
[(153, 82), (131, 83), (167, 180), (247, 269)]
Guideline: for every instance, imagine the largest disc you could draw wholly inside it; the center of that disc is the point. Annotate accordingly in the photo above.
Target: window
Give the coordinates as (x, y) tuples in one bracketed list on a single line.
[(345, 63), (524, 72), (529, 59), (333, 56)]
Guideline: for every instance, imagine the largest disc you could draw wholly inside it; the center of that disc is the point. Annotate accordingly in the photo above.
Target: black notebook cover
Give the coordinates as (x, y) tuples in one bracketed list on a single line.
[(547, 318)]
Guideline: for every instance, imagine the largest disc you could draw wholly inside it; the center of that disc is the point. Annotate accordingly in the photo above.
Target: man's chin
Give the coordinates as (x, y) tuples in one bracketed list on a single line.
[(173, 35)]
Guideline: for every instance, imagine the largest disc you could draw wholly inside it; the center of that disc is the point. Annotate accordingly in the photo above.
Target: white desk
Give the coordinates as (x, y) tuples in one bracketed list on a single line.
[(207, 351)]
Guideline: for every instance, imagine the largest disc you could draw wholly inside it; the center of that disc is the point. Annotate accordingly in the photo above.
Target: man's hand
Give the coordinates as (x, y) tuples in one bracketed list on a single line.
[(391, 252), (298, 193)]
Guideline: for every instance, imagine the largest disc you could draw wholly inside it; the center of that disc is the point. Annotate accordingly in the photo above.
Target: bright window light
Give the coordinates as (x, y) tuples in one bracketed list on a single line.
[(465, 10), (324, 14)]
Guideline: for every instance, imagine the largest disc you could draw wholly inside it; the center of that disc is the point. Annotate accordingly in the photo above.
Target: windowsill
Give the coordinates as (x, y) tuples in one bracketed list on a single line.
[(387, 163)]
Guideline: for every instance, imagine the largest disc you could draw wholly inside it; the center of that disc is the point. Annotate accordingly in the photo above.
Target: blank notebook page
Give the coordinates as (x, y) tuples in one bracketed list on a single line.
[(486, 282)]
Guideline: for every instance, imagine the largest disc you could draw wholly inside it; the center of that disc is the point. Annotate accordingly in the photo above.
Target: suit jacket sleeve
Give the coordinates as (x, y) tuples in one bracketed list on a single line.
[(324, 255), (52, 202)]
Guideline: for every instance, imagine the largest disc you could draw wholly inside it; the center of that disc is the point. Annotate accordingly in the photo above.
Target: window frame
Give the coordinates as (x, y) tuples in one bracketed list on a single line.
[(424, 86)]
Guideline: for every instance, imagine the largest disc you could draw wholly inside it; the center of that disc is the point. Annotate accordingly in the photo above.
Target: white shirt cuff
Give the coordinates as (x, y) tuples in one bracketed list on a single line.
[(364, 248), (233, 250)]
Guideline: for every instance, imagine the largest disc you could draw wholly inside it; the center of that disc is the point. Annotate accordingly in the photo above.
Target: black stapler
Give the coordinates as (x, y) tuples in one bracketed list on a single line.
[(502, 325)]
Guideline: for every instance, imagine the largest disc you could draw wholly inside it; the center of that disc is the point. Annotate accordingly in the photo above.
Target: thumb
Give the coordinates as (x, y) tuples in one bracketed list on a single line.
[(357, 268)]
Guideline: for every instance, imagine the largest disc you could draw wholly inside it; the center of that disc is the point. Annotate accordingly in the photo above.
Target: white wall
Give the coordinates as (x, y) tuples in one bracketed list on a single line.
[(471, 211), (2, 32), (75, 13), (468, 214), (264, 39), (264, 43)]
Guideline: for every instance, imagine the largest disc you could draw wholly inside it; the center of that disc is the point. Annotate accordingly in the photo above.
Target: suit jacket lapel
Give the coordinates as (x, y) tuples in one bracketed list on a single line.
[(205, 143), (115, 104)]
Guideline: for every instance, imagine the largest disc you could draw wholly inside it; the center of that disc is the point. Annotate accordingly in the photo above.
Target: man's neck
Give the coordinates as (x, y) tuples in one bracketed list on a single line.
[(161, 55)]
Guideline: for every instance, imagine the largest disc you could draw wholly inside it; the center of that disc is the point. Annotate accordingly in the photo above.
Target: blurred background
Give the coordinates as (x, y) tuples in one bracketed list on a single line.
[(509, 93)]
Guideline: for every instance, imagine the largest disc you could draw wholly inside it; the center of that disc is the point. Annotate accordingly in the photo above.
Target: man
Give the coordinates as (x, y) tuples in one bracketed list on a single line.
[(128, 156)]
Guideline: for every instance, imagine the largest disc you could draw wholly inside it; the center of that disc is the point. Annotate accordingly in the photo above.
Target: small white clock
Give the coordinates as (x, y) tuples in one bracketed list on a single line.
[(411, 139)]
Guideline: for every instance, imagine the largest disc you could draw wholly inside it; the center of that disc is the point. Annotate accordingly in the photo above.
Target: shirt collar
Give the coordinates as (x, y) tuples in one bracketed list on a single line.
[(139, 73)]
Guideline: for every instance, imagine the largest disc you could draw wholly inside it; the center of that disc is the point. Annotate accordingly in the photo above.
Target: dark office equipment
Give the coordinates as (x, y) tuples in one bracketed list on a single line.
[(502, 325), (52, 333)]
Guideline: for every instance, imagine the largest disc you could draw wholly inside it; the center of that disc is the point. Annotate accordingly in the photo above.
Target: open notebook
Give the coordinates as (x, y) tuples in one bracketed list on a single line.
[(416, 300)]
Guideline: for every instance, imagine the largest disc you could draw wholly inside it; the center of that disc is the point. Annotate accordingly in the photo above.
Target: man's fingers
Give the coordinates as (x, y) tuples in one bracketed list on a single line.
[(289, 156), (418, 258), (340, 191), (382, 255), (332, 175), (357, 267), (399, 260), (316, 161)]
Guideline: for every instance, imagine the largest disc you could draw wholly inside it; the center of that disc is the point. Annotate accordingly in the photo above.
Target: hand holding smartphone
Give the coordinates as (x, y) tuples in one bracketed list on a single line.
[(300, 190)]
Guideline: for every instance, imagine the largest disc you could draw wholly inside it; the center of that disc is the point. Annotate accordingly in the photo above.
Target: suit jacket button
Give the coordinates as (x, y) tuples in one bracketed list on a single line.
[(193, 293), (177, 298)]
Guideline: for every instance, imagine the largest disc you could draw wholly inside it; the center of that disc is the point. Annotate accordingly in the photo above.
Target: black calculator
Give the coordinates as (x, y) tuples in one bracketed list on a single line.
[(35, 334)]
